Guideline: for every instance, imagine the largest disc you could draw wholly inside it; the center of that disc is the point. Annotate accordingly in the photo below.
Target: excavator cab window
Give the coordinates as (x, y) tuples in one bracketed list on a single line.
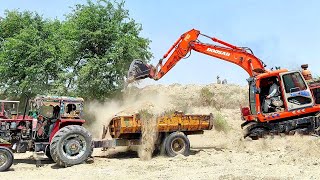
[(293, 82), (297, 93), (252, 97)]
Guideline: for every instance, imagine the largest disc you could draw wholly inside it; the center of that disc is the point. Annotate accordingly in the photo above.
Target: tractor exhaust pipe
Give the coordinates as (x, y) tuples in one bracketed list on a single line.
[(26, 106)]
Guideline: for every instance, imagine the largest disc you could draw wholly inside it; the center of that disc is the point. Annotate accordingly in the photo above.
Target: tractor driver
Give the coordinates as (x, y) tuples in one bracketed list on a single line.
[(273, 93), (54, 118)]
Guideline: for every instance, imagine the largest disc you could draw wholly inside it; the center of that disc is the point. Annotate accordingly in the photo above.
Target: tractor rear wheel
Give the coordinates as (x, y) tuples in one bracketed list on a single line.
[(177, 143), (6, 158), (71, 145)]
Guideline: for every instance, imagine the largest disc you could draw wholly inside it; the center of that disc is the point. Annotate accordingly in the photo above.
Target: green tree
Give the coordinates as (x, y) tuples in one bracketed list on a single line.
[(105, 41), (88, 54), (28, 54)]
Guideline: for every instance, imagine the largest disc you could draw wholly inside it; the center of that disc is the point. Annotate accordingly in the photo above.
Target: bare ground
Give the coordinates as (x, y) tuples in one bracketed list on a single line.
[(214, 155)]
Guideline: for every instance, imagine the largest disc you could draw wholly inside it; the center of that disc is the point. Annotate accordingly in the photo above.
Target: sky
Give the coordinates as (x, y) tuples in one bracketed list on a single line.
[(281, 33)]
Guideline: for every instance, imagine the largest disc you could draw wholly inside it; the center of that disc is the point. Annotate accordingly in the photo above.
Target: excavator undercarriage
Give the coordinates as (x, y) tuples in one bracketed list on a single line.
[(304, 126)]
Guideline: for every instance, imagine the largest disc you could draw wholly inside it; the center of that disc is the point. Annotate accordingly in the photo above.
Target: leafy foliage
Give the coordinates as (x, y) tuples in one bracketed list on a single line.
[(28, 54), (88, 54)]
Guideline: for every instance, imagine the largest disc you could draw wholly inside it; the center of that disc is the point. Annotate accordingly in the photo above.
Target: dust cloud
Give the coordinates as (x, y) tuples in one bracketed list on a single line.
[(148, 137), (102, 113), (132, 102), (157, 100)]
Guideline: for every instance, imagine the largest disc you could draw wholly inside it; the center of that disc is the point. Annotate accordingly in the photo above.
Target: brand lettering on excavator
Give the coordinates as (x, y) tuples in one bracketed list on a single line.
[(187, 37), (218, 52)]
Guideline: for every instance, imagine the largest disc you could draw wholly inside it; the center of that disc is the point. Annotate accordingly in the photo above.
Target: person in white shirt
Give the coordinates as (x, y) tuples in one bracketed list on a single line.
[(273, 93)]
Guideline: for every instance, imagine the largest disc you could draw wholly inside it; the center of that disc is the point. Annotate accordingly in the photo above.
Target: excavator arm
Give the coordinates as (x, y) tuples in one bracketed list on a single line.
[(188, 41)]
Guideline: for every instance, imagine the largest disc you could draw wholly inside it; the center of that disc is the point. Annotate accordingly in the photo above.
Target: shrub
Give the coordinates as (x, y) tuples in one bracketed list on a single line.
[(206, 96), (220, 123), (168, 112)]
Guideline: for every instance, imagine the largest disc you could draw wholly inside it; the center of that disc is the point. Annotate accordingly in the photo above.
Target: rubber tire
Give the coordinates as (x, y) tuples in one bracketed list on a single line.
[(9, 162), (170, 138), (56, 147), (47, 152)]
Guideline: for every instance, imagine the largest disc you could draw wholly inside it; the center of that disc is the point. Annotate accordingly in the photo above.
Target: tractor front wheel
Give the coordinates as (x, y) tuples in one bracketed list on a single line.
[(71, 145), (6, 158)]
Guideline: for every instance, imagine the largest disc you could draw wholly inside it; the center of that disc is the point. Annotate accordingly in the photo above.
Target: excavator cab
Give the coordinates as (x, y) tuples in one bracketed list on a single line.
[(293, 94)]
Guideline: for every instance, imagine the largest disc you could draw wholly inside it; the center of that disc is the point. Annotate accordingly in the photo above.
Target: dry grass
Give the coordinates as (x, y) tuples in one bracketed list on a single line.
[(220, 123), (168, 112), (145, 114), (206, 97), (222, 97)]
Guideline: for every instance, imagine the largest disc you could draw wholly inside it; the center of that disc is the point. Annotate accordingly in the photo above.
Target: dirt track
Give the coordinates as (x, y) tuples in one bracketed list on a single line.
[(214, 155)]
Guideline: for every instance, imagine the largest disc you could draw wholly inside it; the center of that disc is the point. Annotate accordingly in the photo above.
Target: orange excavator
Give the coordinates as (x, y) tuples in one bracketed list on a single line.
[(294, 108)]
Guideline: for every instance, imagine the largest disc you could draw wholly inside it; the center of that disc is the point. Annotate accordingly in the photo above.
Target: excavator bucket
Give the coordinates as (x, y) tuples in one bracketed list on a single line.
[(138, 70)]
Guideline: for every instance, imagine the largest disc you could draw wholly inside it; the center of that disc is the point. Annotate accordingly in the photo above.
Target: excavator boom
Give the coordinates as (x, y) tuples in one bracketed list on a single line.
[(188, 41)]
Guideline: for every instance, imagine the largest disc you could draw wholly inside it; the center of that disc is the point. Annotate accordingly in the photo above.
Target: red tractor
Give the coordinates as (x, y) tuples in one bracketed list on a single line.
[(53, 125)]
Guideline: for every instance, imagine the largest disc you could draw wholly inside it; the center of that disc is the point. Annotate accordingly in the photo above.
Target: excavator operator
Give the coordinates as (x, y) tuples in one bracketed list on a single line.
[(274, 94)]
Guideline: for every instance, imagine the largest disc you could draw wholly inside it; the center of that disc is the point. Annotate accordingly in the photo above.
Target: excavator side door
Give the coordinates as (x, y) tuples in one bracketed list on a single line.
[(296, 92)]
